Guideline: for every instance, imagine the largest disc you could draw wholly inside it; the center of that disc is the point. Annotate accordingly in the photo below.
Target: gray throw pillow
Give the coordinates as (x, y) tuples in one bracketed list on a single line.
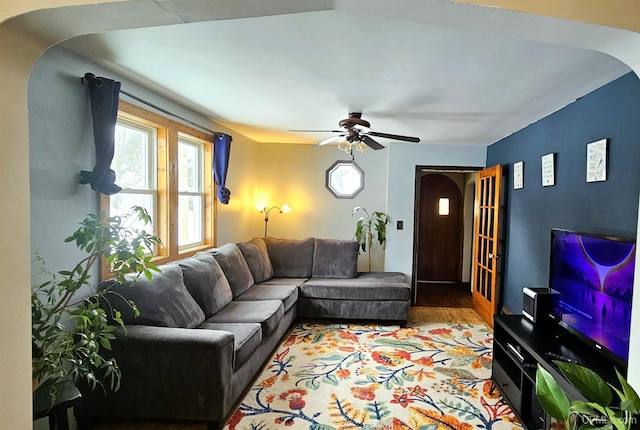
[(335, 258), (234, 267), (291, 258), (257, 257), (163, 302), (206, 282)]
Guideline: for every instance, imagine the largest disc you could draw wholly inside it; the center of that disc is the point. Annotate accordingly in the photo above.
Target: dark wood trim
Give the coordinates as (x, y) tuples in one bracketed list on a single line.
[(416, 210)]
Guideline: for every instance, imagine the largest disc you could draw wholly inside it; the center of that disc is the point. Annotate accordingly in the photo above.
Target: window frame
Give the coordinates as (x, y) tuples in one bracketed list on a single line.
[(166, 222), (201, 145), (334, 169)]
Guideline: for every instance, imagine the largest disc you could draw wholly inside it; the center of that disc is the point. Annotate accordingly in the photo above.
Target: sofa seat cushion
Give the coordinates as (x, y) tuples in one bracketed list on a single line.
[(266, 312), (162, 301), (366, 287), (247, 337), (333, 258), (234, 267), (285, 281), (287, 294), (390, 277), (206, 282), (257, 257), (291, 258)]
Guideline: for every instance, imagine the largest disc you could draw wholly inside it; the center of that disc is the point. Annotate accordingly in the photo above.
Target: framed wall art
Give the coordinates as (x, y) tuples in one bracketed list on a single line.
[(548, 170), (597, 161), (518, 175)]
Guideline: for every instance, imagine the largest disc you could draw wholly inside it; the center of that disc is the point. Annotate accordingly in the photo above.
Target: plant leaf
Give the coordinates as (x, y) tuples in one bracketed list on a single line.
[(587, 382), (630, 395), (552, 399)]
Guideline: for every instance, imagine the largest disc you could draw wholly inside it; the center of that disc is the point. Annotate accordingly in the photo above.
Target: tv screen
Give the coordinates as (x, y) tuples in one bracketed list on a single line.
[(591, 281)]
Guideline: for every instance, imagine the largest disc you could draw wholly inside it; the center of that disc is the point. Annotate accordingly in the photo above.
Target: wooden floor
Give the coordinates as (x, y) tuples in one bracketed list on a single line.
[(446, 304), (443, 295)]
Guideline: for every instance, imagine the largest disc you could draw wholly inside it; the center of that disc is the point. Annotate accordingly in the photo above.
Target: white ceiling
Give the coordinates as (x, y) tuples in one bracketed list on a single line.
[(262, 76)]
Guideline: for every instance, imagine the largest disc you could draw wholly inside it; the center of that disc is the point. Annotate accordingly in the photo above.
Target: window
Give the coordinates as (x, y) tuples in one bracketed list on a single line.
[(443, 206), (134, 162), (190, 192), (165, 167), (344, 179)]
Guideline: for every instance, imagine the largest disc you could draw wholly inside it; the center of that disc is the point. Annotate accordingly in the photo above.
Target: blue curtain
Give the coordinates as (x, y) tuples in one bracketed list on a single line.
[(221, 150), (104, 94)]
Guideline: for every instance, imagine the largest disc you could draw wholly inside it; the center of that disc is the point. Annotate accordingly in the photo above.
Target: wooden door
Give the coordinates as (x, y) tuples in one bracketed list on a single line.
[(439, 235), (486, 243)]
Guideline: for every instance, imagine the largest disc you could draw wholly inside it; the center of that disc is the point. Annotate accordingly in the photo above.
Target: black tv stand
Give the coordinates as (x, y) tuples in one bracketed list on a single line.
[(519, 346), (560, 335), (560, 357)]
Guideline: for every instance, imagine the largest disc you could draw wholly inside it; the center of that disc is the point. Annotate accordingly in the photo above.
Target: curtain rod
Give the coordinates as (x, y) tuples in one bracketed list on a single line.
[(92, 77)]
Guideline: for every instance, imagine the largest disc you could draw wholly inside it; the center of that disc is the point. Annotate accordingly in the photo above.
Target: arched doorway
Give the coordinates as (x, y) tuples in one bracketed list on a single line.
[(440, 229)]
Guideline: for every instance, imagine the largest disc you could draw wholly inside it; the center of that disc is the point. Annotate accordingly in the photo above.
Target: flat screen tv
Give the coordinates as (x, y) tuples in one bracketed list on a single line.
[(591, 282)]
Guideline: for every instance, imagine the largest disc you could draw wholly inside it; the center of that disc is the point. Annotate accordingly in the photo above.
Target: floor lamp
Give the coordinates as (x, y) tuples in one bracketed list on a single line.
[(262, 207)]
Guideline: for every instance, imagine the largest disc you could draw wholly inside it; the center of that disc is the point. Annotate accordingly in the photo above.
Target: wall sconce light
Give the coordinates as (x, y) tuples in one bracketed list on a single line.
[(263, 207), (443, 206)]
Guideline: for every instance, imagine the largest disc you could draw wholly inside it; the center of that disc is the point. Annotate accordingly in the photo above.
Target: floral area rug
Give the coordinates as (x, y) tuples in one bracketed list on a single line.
[(344, 376)]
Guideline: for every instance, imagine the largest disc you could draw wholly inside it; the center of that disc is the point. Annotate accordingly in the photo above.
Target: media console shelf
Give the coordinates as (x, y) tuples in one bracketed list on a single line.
[(519, 346)]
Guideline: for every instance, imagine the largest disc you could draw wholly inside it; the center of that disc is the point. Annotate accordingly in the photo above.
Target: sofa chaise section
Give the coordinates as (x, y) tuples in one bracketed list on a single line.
[(381, 296)]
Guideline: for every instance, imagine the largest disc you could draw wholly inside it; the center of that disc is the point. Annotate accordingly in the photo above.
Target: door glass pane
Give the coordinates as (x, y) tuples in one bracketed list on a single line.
[(190, 216), (490, 215)]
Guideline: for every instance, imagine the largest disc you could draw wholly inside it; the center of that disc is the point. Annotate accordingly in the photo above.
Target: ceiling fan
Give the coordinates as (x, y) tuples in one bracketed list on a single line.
[(355, 133)]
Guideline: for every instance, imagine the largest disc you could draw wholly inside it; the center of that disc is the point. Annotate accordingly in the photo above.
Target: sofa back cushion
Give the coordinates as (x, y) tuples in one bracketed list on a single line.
[(234, 267), (291, 258), (162, 301), (206, 282), (334, 258), (257, 257)]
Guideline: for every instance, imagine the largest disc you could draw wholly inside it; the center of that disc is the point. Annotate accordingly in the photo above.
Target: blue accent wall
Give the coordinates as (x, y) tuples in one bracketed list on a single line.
[(610, 207)]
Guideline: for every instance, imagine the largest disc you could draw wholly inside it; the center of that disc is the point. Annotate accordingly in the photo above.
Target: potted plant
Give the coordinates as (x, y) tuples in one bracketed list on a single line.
[(365, 228), (72, 320), (597, 411)]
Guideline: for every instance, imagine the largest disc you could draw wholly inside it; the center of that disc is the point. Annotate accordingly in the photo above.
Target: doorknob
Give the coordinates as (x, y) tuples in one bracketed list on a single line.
[(492, 256)]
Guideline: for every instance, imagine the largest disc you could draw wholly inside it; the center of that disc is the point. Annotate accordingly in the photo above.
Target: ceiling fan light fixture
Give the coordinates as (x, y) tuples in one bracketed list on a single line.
[(349, 147), (357, 133)]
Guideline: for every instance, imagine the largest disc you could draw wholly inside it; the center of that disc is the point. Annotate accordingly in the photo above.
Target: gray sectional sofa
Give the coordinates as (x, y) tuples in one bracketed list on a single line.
[(208, 323)]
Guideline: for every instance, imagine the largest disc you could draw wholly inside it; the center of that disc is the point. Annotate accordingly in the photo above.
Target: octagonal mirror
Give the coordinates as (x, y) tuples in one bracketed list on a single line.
[(345, 179)]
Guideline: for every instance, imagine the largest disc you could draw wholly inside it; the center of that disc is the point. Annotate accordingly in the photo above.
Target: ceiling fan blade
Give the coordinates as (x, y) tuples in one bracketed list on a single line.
[(317, 131), (370, 142), (330, 139), (394, 136)]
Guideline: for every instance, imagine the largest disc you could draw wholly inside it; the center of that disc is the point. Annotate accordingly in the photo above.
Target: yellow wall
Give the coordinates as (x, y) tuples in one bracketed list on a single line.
[(613, 13), (18, 51), (295, 175)]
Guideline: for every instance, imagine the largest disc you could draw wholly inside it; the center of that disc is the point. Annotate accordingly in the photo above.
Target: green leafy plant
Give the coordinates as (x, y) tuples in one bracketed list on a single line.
[(365, 228), (73, 322), (597, 411)]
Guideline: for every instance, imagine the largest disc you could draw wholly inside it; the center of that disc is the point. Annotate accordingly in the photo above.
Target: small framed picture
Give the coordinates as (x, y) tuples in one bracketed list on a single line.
[(597, 161), (548, 170), (518, 175)]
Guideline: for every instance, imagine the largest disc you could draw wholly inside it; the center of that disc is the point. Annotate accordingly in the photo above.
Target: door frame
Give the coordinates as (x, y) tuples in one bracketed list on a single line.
[(416, 218)]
